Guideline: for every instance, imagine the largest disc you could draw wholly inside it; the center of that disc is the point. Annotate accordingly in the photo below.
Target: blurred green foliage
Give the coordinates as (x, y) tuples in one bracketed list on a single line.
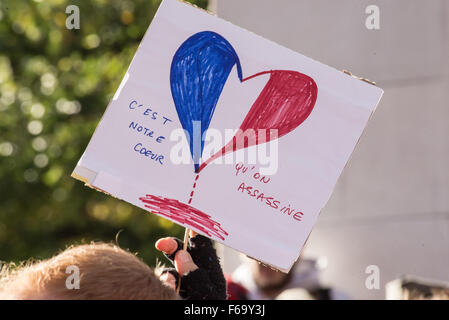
[(55, 84)]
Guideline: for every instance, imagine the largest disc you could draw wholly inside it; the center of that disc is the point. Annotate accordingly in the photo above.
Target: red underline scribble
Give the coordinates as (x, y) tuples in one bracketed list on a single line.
[(184, 214)]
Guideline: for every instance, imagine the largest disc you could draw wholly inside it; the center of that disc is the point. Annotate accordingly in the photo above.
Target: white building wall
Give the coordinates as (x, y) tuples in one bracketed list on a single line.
[(391, 205)]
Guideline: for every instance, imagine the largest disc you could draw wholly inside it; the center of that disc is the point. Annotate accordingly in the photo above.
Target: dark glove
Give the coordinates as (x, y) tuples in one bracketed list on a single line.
[(205, 283)]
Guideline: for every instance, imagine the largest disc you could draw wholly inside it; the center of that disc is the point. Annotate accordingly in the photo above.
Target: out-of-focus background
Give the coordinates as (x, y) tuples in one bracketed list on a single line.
[(390, 208), (55, 84)]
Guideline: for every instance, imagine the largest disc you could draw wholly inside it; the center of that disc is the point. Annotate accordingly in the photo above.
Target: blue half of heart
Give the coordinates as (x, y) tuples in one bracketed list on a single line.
[(199, 70)]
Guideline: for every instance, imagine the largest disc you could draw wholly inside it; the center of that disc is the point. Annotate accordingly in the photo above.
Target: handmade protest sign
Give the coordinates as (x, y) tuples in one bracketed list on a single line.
[(227, 133)]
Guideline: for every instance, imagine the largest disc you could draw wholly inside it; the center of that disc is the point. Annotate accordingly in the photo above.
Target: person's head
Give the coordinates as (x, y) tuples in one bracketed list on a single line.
[(105, 272), (267, 278)]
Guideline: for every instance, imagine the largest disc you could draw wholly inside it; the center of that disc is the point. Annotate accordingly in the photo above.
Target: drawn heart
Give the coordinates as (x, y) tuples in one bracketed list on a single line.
[(199, 70)]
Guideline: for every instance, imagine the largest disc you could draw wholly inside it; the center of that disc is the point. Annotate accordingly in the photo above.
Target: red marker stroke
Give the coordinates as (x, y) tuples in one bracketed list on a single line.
[(184, 214)]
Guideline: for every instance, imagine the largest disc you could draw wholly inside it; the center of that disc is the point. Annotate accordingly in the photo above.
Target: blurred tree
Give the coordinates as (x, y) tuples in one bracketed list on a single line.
[(55, 84)]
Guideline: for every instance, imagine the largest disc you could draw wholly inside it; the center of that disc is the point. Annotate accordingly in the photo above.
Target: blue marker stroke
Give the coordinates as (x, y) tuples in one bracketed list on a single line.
[(199, 70)]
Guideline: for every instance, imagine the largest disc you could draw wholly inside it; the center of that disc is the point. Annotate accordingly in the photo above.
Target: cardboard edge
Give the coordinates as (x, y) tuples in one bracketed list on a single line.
[(87, 176)]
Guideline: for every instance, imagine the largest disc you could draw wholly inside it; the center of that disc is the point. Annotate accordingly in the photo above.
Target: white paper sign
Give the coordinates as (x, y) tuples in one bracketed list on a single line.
[(269, 131)]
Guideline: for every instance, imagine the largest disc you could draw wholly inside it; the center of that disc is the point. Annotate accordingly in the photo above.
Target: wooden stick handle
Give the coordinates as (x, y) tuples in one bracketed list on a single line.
[(186, 241)]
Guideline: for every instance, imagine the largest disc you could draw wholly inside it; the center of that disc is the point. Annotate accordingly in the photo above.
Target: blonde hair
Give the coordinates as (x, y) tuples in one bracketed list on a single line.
[(105, 270)]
